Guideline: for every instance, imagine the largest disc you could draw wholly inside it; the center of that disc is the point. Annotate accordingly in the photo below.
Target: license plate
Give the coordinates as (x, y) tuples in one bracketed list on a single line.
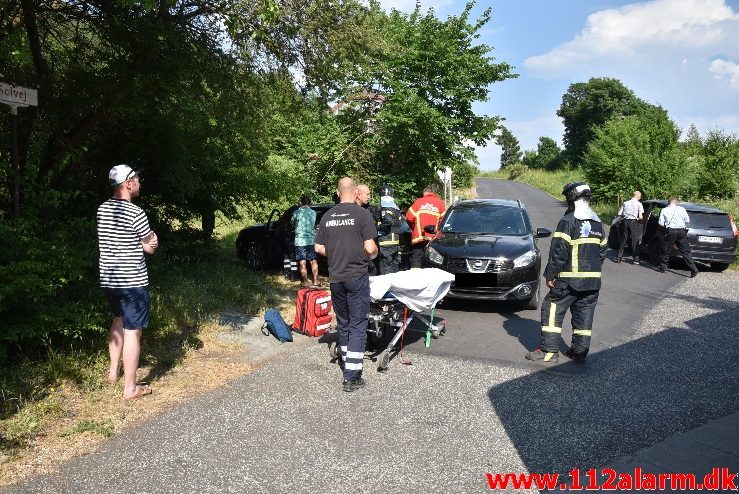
[(710, 240)]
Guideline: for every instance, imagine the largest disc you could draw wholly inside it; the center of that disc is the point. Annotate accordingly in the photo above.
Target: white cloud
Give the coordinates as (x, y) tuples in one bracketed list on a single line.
[(628, 30), (721, 69)]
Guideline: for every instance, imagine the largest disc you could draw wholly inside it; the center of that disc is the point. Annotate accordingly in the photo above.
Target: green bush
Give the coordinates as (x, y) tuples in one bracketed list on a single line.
[(48, 275), (463, 174), (516, 170), (719, 167), (638, 152)]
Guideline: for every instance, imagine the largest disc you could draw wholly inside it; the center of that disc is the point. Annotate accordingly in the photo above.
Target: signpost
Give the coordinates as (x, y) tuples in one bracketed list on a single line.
[(15, 97), (445, 176)]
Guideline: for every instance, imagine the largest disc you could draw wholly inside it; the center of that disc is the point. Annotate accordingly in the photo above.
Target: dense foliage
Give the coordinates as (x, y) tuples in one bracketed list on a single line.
[(510, 153), (225, 106), (587, 106), (623, 143), (548, 155), (639, 152)]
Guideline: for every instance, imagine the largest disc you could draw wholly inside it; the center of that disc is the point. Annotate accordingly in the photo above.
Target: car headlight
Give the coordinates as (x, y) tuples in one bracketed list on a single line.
[(433, 256), (525, 260)]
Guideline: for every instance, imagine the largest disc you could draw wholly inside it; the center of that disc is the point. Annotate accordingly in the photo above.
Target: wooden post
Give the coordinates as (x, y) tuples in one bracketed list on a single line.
[(14, 161)]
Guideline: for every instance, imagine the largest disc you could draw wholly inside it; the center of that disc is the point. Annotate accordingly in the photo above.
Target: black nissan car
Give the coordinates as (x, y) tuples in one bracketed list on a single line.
[(490, 247)]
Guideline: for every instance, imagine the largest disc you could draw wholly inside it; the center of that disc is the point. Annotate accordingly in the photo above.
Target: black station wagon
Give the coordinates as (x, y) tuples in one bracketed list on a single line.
[(712, 234)]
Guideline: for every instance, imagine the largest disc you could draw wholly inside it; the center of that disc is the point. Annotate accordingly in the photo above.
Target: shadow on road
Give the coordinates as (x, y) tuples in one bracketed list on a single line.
[(626, 398)]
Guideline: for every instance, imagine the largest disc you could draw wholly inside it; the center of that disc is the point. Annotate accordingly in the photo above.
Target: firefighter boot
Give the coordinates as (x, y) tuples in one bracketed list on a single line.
[(580, 359), (539, 355)]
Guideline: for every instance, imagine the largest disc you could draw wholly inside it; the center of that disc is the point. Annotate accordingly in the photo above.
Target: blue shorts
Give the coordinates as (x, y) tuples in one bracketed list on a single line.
[(132, 304), (305, 252)]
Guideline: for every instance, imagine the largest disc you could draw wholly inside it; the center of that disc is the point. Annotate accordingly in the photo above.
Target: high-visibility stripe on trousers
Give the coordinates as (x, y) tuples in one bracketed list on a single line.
[(553, 310), (351, 301)]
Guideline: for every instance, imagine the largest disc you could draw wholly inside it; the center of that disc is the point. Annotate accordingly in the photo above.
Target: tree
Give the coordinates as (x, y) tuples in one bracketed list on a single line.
[(511, 151), (184, 89), (719, 172), (548, 154), (529, 159), (165, 66), (636, 152), (432, 72), (587, 106), (693, 144)]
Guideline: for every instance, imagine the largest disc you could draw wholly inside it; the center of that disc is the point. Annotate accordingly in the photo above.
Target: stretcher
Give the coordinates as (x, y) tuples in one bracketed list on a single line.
[(397, 299)]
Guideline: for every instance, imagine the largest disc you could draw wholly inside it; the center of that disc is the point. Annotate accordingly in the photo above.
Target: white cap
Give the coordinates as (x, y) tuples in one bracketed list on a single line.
[(119, 174)]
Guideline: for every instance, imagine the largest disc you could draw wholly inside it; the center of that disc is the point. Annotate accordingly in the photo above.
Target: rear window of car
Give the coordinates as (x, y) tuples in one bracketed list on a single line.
[(709, 221), (485, 219)]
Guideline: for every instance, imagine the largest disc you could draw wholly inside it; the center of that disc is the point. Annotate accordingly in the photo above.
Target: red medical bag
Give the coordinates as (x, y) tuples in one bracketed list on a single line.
[(312, 310)]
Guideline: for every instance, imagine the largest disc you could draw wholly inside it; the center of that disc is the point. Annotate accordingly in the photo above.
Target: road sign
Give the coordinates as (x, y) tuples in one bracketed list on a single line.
[(445, 175), (17, 95)]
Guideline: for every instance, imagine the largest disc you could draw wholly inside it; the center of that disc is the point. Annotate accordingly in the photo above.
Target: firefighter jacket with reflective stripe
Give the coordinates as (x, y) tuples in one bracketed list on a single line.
[(577, 253), (427, 210), (389, 224)]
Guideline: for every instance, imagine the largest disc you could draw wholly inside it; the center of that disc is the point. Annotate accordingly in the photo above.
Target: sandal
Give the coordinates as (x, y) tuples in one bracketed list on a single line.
[(141, 390)]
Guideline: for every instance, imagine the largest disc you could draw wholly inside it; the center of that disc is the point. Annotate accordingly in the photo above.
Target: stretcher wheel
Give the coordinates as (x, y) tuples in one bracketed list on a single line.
[(333, 350), (440, 329), (383, 361)]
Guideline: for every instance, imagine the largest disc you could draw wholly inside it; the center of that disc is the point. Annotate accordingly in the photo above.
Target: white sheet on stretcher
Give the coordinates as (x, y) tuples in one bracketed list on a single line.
[(418, 289)]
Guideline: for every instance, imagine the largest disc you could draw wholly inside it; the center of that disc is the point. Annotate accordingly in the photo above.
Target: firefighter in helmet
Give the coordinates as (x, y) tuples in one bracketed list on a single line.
[(390, 224), (573, 276)]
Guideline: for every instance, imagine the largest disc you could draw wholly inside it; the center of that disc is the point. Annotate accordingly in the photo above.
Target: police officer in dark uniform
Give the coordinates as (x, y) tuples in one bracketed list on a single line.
[(573, 275), (390, 224)]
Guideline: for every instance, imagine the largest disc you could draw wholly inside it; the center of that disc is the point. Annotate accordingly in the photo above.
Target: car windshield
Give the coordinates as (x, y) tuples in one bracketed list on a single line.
[(488, 219)]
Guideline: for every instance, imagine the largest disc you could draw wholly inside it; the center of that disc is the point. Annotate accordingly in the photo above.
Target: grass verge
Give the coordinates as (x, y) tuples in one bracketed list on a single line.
[(57, 404)]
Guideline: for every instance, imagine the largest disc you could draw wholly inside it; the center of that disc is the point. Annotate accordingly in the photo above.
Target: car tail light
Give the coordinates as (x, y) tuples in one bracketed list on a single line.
[(733, 226)]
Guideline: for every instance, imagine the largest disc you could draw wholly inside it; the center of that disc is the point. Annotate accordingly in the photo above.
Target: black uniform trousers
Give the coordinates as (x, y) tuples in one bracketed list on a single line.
[(553, 310), (351, 301), (389, 259), (679, 238), (631, 230), (417, 251)]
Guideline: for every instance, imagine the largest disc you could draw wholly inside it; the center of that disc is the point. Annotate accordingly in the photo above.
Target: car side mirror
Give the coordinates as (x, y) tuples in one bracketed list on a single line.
[(542, 233), (429, 229)]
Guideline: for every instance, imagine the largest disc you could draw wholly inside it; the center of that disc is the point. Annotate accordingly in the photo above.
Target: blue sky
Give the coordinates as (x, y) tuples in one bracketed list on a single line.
[(681, 54)]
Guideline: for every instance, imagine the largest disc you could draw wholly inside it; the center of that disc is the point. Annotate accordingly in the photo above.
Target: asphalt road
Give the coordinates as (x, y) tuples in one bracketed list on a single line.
[(440, 424), (503, 333)]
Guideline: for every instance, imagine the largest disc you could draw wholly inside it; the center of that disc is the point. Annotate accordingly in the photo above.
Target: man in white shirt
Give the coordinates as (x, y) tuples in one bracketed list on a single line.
[(675, 221), (632, 212)]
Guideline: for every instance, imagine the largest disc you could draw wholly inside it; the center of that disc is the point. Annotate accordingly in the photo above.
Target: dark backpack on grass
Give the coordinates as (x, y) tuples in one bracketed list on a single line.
[(275, 324)]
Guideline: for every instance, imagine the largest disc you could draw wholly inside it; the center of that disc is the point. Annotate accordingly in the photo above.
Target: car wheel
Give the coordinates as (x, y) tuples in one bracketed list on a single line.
[(254, 255), (720, 266), (533, 302)]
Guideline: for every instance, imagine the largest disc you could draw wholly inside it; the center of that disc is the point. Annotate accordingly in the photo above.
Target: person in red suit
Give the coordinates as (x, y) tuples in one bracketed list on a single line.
[(426, 210)]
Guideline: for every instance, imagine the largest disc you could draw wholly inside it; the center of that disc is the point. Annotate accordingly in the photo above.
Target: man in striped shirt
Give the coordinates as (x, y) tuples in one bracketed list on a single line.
[(123, 237)]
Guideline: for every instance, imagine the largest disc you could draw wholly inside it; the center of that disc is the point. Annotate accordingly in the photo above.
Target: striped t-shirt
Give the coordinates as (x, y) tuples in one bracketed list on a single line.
[(121, 226)]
